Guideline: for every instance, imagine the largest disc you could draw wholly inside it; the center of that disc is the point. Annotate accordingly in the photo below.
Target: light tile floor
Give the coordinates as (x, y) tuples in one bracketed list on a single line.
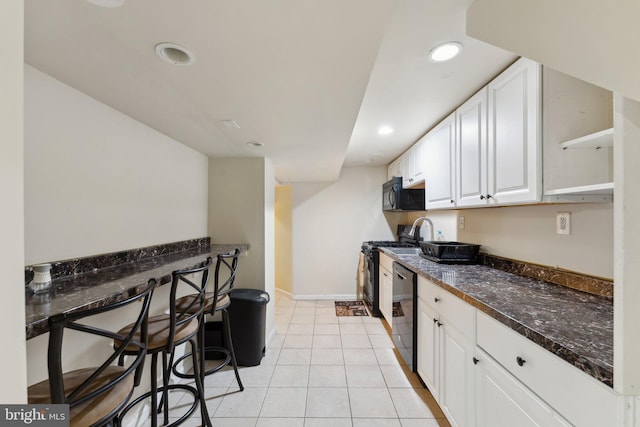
[(320, 371)]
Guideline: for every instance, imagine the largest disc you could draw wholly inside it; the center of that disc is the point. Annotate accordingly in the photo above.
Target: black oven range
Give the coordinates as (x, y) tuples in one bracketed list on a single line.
[(371, 252)]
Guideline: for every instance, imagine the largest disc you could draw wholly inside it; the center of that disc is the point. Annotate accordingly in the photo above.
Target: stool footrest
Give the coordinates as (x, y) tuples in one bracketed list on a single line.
[(224, 362), (160, 390)]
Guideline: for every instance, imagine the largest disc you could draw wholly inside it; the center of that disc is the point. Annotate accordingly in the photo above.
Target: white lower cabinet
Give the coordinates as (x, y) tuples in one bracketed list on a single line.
[(386, 294), (578, 397), (484, 374), (385, 281), (456, 366), (445, 353), (502, 401), (428, 347)]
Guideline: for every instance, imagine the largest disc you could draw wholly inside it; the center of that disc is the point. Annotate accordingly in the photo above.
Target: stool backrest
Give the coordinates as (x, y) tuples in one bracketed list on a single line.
[(225, 275), (90, 388), (182, 315)]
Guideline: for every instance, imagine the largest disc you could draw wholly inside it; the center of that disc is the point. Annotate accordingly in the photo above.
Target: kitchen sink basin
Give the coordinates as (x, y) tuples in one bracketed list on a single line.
[(405, 251)]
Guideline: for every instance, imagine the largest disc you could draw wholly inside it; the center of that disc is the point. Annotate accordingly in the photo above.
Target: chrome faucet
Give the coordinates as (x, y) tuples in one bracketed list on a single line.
[(428, 221)]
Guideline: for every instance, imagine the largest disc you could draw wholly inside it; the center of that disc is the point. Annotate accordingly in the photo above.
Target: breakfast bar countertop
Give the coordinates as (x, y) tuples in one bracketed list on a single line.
[(573, 325), (103, 286)]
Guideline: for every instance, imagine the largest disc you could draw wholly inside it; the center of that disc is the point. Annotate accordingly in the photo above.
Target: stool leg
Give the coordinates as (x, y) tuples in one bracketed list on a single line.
[(201, 330), (154, 390), (225, 318), (165, 389), (198, 375)]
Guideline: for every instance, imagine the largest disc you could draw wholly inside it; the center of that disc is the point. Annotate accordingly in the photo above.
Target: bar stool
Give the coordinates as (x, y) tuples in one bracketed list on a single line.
[(166, 331), (218, 300), (95, 395)]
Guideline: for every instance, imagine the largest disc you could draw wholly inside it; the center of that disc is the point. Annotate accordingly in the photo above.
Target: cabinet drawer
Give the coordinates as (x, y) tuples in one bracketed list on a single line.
[(580, 398), (457, 312), (386, 262)]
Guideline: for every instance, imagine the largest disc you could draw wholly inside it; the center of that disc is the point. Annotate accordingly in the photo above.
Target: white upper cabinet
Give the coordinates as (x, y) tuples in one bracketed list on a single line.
[(471, 142), (410, 166), (413, 172), (395, 168), (440, 165), (492, 154), (514, 147)]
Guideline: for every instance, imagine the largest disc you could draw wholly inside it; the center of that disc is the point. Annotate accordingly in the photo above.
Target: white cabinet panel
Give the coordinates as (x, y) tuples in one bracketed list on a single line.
[(514, 147), (445, 353), (471, 143), (457, 396), (503, 402), (394, 169), (386, 293), (582, 399), (440, 165), (428, 354)]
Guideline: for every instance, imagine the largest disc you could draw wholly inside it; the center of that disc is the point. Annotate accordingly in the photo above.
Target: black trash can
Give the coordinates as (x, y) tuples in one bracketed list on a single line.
[(214, 337), (247, 314)]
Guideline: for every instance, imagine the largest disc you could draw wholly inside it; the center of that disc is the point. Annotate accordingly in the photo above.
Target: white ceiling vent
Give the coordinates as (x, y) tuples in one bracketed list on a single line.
[(106, 3)]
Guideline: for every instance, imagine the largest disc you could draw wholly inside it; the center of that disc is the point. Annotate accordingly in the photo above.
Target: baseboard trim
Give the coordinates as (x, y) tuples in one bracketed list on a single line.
[(286, 293), (270, 336), (334, 297)]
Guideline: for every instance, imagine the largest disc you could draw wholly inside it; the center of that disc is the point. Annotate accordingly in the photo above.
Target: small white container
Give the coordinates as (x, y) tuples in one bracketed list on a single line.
[(41, 278)]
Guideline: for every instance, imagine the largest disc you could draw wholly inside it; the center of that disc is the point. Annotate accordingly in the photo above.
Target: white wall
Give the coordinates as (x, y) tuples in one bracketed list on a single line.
[(241, 210), (596, 41), (330, 222), (270, 245), (98, 181), (528, 233), (13, 388)]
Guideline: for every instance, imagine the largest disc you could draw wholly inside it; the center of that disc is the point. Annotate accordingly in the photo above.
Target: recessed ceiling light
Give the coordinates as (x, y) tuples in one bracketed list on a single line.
[(255, 144), (106, 3), (175, 54), (445, 52), (385, 130)]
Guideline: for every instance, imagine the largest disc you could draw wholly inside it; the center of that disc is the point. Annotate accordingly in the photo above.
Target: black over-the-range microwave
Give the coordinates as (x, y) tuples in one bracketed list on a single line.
[(396, 198)]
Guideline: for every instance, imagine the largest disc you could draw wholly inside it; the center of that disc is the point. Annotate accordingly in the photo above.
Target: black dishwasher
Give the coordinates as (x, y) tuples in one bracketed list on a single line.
[(404, 317)]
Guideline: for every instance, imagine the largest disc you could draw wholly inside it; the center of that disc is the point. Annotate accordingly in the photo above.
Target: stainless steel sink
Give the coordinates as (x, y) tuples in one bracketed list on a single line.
[(405, 251)]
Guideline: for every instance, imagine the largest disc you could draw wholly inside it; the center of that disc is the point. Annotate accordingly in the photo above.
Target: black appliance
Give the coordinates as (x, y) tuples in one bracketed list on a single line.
[(371, 252), (405, 318), (396, 198)]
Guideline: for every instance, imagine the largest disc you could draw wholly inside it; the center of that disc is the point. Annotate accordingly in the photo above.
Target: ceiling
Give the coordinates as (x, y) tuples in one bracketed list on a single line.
[(311, 80)]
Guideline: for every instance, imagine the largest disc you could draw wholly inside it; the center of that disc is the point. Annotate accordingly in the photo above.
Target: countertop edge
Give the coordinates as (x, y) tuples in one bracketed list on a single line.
[(192, 258), (587, 365)]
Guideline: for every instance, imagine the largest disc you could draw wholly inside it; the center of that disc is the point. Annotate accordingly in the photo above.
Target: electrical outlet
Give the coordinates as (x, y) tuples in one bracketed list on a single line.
[(563, 223), (461, 223)]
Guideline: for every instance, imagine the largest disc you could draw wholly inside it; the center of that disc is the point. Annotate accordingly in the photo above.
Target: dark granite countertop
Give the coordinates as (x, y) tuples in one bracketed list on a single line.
[(110, 284), (576, 326)]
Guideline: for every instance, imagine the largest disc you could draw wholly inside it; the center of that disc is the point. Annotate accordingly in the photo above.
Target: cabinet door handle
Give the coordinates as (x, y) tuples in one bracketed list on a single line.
[(452, 201), (520, 361), (475, 360), (435, 320), (436, 299), (482, 197), (489, 196), (439, 324)]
